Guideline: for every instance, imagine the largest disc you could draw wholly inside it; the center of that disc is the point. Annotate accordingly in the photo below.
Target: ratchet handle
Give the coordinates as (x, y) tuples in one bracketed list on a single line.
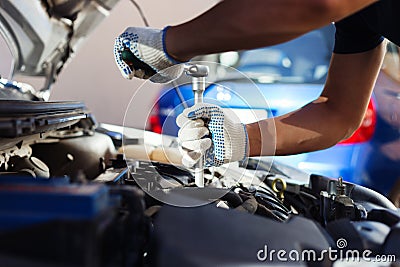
[(199, 167), (198, 74)]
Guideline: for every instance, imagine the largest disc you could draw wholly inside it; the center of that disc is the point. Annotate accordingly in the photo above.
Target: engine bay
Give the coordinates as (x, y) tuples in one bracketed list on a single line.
[(70, 189)]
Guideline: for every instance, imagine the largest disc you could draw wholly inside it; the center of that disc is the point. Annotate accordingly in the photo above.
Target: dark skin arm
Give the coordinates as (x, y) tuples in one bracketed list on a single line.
[(237, 24), (334, 116)]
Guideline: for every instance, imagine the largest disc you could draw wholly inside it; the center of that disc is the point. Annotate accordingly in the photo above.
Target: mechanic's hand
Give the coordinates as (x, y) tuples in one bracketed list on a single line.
[(207, 130), (140, 52)]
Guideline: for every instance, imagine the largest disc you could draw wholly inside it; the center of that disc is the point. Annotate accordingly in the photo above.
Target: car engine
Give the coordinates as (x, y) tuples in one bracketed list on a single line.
[(69, 198)]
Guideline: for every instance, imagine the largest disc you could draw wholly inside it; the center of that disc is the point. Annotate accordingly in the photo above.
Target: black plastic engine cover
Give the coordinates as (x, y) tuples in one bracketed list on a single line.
[(209, 236)]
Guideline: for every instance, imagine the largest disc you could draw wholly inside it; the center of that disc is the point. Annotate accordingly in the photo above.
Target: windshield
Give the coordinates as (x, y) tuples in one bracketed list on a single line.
[(302, 60)]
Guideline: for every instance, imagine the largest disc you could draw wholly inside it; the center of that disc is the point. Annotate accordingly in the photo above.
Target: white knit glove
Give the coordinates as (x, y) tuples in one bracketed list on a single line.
[(207, 130), (140, 52)]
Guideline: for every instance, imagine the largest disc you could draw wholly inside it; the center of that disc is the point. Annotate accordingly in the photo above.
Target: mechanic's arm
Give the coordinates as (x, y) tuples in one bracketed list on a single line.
[(229, 25), (238, 24), (335, 115)]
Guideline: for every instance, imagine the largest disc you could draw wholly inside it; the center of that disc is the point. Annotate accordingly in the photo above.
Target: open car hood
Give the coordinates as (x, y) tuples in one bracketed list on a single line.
[(43, 35)]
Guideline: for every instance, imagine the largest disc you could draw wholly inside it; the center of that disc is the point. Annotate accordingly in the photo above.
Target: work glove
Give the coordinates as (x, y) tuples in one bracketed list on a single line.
[(207, 130), (140, 52)]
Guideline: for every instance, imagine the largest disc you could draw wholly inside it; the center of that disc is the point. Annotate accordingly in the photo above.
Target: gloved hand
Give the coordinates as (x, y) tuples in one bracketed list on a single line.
[(228, 141), (140, 52)]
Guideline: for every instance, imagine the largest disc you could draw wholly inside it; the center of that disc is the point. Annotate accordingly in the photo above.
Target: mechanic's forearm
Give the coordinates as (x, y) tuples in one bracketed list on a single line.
[(310, 128), (238, 24), (335, 115)]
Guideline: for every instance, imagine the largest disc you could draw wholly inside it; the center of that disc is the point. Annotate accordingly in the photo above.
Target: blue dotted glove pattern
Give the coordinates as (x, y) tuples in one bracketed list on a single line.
[(214, 121), (126, 40)]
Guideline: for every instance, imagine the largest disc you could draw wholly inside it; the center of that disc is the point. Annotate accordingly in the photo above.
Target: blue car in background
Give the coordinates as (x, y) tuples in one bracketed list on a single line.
[(290, 75)]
